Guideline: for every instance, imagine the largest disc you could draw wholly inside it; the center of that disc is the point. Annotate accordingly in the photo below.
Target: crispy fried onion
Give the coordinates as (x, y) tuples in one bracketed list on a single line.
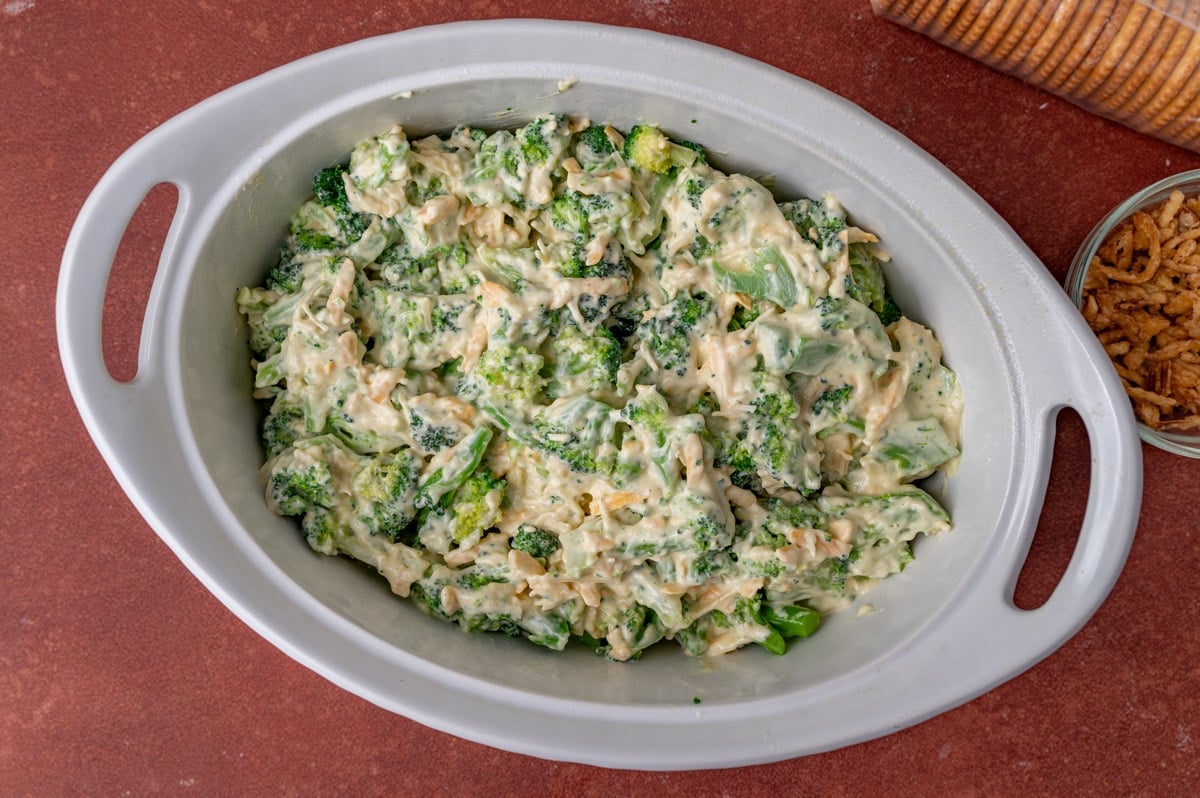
[(1141, 296)]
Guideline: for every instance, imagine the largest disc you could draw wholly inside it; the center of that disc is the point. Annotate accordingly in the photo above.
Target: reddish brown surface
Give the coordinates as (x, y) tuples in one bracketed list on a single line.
[(121, 675)]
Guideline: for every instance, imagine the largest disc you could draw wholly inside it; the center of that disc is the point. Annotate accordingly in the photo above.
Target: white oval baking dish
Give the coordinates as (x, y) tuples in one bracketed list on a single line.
[(181, 437)]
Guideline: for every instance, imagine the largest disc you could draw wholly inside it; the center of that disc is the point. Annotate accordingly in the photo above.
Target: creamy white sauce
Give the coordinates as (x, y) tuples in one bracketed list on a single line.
[(754, 448)]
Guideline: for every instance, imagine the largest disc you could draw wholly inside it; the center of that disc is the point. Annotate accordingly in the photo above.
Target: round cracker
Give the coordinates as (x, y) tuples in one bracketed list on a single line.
[(1186, 135), (1073, 39), (1184, 119), (936, 18), (1064, 12), (1180, 86), (906, 12), (1173, 47), (1181, 111), (1084, 34), (1014, 49), (1108, 49), (1003, 42), (1121, 56), (1085, 68), (1001, 25), (892, 9), (966, 41), (1139, 60), (965, 19)]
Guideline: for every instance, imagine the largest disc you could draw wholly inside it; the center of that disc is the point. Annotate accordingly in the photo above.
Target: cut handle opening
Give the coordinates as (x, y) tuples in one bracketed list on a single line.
[(127, 289)]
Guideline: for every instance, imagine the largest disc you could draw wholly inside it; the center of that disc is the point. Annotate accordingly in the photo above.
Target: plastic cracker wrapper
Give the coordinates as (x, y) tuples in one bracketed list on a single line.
[(1133, 61)]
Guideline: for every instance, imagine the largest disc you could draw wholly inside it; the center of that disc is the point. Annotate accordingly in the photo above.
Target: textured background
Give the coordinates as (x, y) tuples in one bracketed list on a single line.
[(121, 675)]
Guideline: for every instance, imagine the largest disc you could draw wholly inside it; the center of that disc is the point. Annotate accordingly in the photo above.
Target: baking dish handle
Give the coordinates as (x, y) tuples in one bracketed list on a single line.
[(1110, 517), (110, 407)]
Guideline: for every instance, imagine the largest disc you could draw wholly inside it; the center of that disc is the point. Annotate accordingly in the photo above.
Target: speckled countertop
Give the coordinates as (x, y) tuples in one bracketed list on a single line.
[(120, 675)]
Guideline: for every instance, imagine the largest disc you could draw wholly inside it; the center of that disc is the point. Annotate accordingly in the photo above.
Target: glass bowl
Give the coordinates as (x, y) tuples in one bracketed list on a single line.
[(1182, 443)]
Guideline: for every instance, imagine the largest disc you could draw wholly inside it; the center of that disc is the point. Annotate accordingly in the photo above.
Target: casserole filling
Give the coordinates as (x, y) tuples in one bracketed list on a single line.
[(573, 384)]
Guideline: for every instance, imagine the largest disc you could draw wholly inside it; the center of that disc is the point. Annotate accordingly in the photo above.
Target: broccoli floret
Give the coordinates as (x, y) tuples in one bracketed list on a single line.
[(308, 239), (779, 442), (695, 188), (865, 280), (428, 598), (535, 542), (401, 270), (819, 222), (709, 564), (660, 431), (576, 431), (537, 139), (465, 457), (568, 214), (386, 490), (329, 187), (432, 438), (510, 372), (831, 574), (769, 447), (610, 265), (648, 148), (701, 156), (783, 516), (833, 401), (709, 532), (584, 362), (890, 313), (597, 143), (475, 507), (288, 275), (668, 333), (322, 529), (266, 330), (282, 427), (298, 486)]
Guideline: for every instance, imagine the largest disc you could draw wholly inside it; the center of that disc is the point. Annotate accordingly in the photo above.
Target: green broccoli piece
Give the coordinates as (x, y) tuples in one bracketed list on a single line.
[(648, 148), (660, 431), (865, 280), (297, 486), (709, 532), (569, 214), (818, 222), (432, 438), (596, 142), (401, 270), (769, 443), (288, 275), (578, 431), (768, 276), (833, 401), (542, 139), (584, 362), (668, 333), (781, 517), (792, 620), (709, 564), (510, 372), (475, 507), (386, 490), (537, 543), (575, 431), (329, 188), (283, 426), (465, 457), (890, 313)]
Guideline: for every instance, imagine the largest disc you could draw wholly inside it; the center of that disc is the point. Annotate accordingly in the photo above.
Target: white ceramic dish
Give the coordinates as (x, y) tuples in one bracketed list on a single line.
[(181, 437)]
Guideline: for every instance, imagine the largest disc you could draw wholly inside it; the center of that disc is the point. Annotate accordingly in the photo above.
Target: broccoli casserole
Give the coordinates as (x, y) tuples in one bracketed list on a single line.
[(573, 384)]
